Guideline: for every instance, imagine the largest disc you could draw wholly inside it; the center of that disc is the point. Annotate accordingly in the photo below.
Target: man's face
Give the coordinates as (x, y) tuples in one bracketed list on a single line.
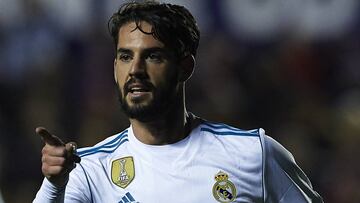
[(145, 73)]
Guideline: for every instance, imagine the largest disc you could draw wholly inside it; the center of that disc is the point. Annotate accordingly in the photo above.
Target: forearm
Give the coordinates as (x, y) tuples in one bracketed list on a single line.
[(48, 193)]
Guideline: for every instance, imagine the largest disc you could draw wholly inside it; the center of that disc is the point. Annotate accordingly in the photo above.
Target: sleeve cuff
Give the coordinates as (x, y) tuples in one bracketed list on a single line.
[(50, 193)]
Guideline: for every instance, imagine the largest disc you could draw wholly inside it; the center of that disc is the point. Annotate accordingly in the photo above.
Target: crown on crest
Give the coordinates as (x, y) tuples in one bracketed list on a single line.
[(221, 176)]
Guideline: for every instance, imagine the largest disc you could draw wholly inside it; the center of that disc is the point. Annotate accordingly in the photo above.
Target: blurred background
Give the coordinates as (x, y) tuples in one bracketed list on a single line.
[(288, 66)]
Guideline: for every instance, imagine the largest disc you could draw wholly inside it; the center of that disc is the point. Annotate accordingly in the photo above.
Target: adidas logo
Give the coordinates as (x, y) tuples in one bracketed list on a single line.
[(128, 198)]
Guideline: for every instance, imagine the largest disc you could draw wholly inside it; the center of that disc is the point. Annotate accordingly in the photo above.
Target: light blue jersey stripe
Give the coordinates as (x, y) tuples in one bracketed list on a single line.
[(239, 133), (222, 129), (110, 144), (105, 150), (105, 147), (221, 126)]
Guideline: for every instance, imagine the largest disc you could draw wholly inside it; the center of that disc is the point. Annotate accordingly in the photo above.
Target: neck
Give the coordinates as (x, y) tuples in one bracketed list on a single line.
[(171, 127)]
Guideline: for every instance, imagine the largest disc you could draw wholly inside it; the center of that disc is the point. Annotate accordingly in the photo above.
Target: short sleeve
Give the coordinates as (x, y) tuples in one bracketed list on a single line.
[(283, 179)]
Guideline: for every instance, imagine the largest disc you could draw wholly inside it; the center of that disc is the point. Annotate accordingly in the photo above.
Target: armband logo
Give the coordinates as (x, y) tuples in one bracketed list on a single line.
[(123, 171), (224, 190)]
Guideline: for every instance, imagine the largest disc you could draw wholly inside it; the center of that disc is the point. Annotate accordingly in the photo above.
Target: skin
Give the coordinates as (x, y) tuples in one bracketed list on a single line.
[(58, 159), (139, 57)]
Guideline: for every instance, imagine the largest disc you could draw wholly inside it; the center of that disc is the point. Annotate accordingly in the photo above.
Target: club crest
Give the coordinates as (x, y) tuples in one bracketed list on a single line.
[(122, 171), (224, 190)]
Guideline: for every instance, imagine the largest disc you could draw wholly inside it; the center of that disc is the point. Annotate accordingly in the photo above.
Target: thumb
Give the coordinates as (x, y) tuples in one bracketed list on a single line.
[(48, 138), (71, 148)]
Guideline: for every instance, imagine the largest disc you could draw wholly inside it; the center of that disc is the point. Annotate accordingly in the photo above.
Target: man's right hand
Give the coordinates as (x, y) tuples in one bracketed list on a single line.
[(58, 159)]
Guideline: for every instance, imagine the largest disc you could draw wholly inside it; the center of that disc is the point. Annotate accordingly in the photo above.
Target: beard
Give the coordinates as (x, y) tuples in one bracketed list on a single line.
[(162, 101)]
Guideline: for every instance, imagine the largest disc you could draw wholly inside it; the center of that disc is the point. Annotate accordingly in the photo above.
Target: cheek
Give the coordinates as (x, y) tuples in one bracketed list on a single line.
[(120, 79), (163, 76)]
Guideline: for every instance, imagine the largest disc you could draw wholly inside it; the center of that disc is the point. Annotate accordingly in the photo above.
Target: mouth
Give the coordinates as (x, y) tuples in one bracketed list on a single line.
[(137, 90)]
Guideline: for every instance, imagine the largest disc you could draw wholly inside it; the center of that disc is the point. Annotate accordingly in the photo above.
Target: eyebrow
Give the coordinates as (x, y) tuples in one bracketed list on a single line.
[(123, 50), (147, 50)]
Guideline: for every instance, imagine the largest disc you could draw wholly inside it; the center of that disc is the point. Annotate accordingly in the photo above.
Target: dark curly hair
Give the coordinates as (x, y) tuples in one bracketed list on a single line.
[(171, 24)]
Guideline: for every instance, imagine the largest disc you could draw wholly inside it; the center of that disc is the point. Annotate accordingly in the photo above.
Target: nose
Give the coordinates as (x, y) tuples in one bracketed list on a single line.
[(138, 69)]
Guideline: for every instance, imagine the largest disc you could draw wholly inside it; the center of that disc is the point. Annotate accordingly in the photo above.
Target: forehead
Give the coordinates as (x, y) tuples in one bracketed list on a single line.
[(136, 36)]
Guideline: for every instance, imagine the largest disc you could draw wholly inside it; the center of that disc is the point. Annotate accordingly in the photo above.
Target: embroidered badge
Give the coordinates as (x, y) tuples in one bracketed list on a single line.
[(224, 190), (122, 171)]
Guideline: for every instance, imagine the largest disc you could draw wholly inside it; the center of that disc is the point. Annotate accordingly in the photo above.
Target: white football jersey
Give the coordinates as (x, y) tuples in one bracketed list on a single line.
[(215, 163)]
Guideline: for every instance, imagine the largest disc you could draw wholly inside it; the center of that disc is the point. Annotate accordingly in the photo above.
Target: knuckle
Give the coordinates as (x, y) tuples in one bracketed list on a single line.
[(52, 170), (44, 158), (61, 161), (57, 170), (44, 168), (44, 150)]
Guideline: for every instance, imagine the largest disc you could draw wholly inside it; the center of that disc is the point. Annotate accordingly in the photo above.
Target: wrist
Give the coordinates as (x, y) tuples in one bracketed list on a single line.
[(58, 184)]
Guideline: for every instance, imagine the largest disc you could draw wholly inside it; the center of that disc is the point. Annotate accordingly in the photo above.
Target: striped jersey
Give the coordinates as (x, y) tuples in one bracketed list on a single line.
[(215, 163)]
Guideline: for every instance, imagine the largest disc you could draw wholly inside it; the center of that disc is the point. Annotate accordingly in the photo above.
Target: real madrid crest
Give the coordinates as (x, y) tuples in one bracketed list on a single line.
[(122, 171), (224, 190)]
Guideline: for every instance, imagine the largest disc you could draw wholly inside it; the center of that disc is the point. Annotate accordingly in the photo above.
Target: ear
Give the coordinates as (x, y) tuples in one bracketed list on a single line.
[(115, 71), (187, 67)]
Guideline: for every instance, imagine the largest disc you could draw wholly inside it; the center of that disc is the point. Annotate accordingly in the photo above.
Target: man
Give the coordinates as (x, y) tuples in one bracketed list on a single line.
[(167, 154)]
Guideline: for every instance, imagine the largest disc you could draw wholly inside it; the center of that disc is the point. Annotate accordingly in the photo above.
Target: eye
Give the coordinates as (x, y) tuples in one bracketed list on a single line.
[(125, 57), (156, 57)]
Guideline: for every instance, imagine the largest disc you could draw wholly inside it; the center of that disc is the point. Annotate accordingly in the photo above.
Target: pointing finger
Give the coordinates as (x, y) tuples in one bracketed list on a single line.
[(49, 138)]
